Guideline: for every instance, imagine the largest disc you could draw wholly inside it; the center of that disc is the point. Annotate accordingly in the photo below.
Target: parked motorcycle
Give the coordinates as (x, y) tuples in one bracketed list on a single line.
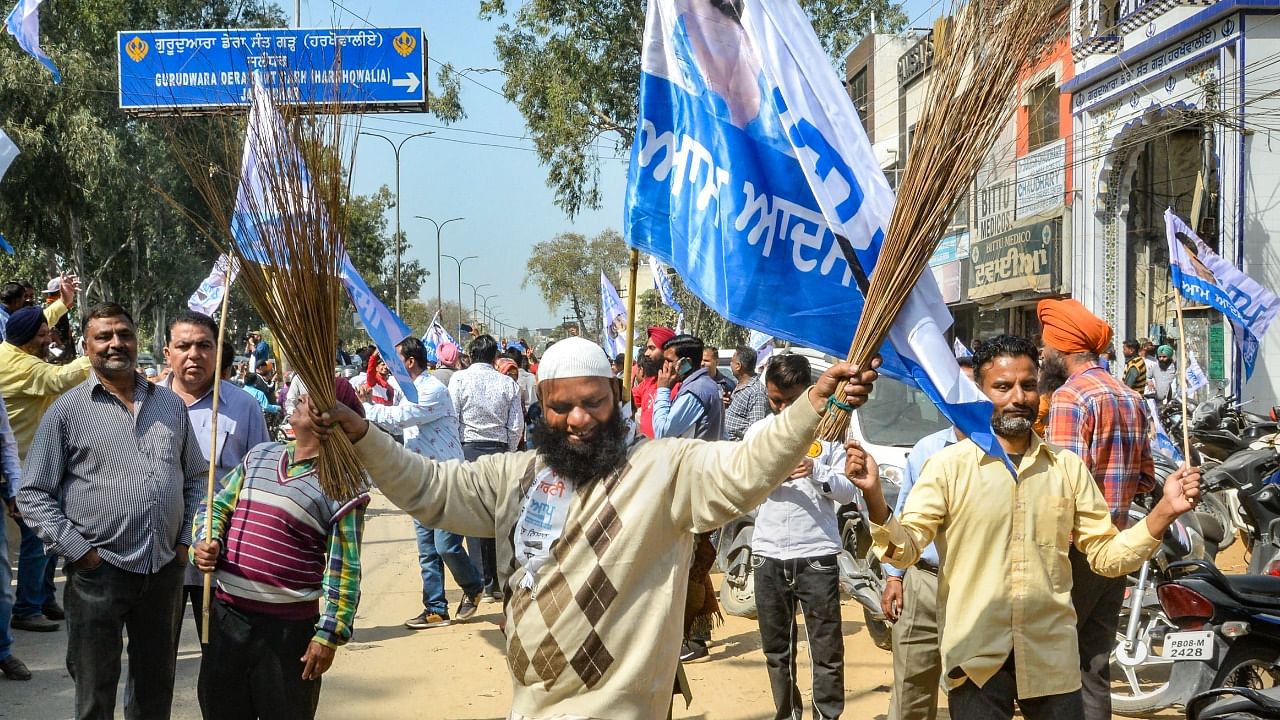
[(733, 555), (862, 576), (1228, 627), (1253, 477), (1235, 703), (1144, 681)]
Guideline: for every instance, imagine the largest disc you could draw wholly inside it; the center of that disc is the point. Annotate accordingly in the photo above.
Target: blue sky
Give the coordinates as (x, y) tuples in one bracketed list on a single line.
[(500, 191)]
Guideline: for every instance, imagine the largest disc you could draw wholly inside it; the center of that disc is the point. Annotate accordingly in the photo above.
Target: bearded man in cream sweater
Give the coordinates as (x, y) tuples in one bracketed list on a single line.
[(595, 528)]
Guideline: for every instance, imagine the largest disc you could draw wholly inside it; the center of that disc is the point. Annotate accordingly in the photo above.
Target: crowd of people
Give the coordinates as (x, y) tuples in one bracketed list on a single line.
[(585, 502)]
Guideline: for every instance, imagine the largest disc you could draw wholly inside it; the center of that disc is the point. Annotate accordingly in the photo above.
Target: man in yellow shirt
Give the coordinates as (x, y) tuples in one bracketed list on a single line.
[(1005, 580), (29, 386)]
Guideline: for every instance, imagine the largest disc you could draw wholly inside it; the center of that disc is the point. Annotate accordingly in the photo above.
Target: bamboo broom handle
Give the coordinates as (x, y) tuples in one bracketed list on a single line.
[(213, 451), (631, 327)]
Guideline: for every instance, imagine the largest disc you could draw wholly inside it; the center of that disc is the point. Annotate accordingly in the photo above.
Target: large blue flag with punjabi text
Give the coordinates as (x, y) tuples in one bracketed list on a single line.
[(752, 176)]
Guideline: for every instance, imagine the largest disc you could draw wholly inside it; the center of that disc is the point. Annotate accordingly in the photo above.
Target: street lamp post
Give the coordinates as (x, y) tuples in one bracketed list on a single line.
[(475, 292), (395, 148), (439, 227), (484, 312), (459, 263)]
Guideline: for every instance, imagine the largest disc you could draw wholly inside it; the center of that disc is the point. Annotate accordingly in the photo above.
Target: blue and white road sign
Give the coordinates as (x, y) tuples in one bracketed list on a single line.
[(368, 69)]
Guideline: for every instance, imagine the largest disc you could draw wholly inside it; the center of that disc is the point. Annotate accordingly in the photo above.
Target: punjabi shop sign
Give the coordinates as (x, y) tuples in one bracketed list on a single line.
[(1022, 259)]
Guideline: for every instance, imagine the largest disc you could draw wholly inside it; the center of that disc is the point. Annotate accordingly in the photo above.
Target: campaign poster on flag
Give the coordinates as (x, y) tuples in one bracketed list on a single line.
[(613, 316), (752, 176)]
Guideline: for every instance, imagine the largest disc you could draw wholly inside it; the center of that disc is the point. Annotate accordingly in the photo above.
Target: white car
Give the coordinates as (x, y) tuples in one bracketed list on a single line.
[(893, 419)]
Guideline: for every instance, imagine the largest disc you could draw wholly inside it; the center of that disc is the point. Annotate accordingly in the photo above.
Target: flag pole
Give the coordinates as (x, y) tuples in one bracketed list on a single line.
[(1182, 370), (631, 326), (213, 452)]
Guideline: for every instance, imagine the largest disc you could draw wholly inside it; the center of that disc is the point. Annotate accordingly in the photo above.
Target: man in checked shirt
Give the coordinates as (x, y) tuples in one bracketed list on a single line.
[(1095, 416)]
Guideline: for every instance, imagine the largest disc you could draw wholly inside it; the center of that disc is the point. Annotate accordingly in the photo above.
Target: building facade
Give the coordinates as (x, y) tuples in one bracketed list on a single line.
[(1171, 105)]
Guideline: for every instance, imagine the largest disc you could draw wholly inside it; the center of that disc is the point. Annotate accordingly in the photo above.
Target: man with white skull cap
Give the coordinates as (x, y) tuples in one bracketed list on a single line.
[(595, 528)]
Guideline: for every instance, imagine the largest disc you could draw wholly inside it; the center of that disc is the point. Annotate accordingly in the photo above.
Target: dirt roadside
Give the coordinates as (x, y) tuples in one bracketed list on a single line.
[(459, 672)]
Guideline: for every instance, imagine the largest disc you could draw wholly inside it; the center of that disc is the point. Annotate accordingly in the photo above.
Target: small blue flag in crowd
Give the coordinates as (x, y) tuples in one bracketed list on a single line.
[(208, 297), (1196, 377), (8, 151), (23, 24), (1162, 443), (751, 174), (436, 337), (267, 145), (1206, 279), (959, 349), (662, 282), (613, 315)]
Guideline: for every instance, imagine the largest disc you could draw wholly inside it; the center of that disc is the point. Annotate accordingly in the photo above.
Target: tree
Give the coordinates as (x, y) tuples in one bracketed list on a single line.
[(573, 70), (566, 270)]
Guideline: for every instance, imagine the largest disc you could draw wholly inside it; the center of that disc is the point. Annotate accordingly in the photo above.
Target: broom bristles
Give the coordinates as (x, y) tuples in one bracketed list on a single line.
[(292, 275), (978, 59)]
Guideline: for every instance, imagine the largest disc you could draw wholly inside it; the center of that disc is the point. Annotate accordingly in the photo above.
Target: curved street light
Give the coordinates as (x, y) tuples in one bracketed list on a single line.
[(459, 264), (395, 148), (439, 227), (475, 291)]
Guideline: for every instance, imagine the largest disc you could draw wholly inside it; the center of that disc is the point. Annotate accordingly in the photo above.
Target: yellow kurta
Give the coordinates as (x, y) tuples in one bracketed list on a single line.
[(30, 385), (1005, 581)]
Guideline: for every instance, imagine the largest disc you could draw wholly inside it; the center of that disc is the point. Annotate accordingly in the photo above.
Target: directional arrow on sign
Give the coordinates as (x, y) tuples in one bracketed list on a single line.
[(410, 82)]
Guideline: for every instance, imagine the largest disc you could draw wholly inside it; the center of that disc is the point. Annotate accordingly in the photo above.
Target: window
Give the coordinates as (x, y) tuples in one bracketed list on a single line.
[(858, 91), (1042, 114)]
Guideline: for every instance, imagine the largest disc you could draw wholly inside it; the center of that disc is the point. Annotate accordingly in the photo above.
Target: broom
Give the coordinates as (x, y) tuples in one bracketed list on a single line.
[(280, 218), (979, 56)]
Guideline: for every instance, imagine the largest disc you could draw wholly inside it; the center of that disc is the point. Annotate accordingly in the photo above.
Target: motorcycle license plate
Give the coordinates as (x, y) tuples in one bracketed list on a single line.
[(1188, 645)]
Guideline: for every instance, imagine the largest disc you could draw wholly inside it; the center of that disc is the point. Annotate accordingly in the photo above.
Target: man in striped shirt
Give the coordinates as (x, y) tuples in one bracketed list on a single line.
[(287, 563), (111, 483)]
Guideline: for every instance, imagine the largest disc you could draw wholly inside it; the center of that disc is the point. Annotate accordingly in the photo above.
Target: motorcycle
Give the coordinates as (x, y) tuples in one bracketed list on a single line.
[(733, 556), (1143, 680), (1253, 477), (1228, 627), (1235, 703), (862, 577)]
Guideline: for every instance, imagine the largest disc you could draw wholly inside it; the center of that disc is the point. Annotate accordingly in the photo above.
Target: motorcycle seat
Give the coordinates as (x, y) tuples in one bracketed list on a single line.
[(1263, 590), (1224, 703)]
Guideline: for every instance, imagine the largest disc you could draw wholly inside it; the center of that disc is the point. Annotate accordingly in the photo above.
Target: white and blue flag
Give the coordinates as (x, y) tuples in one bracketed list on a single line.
[(613, 317), (1196, 377), (662, 282), (8, 151), (258, 202), (208, 297), (23, 24), (751, 174), (437, 337), (1205, 278)]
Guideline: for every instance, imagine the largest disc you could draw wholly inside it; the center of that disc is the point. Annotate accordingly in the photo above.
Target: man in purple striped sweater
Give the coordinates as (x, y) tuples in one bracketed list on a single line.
[(286, 560)]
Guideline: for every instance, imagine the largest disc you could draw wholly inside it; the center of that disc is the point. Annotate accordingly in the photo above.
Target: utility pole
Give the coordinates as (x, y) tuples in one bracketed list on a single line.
[(459, 263), (395, 147), (475, 292), (439, 227)]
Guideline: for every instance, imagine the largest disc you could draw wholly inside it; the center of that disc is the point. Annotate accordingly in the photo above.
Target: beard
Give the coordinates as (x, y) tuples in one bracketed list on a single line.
[(583, 463), (649, 366), (1008, 424), (1053, 374)]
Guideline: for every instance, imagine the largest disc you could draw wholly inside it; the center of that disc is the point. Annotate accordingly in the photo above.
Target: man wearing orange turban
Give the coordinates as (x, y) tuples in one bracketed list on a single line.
[(1095, 416)]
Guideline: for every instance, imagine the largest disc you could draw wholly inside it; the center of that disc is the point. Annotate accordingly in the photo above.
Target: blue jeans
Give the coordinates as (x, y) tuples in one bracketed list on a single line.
[(434, 546), (6, 594), (35, 575)]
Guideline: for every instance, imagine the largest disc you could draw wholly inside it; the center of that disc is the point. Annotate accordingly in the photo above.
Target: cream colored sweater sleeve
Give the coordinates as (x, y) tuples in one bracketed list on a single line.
[(456, 496), (716, 482)]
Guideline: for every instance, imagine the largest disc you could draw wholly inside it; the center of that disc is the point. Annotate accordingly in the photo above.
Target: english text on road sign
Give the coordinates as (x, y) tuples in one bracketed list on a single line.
[(379, 69)]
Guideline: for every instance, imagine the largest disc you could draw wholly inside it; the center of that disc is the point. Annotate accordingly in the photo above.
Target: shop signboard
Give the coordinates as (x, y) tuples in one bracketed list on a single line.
[(1042, 180), (1024, 259), (954, 246), (995, 208)]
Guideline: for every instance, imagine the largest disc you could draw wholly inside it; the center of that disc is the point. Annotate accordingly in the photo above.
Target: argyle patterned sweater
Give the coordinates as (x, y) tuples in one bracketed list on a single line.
[(599, 635)]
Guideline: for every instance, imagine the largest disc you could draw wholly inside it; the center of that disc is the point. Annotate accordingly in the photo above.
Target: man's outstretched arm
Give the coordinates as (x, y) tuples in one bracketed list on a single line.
[(455, 496)]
